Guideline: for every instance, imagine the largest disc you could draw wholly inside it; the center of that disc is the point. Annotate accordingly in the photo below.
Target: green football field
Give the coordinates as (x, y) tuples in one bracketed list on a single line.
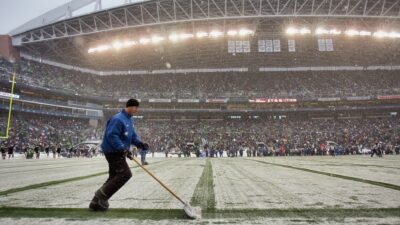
[(273, 190)]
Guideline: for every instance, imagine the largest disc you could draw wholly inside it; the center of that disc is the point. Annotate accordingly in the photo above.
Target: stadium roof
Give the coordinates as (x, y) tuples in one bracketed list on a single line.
[(153, 12), (71, 9), (63, 36)]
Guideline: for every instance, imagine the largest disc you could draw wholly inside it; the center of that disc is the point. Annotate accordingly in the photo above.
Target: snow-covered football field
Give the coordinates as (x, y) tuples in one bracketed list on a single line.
[(272, 190)]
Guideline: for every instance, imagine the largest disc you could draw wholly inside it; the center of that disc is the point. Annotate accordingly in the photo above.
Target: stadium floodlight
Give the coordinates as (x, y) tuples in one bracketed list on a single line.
[(352, 32), (173, 37), (144, 41), (380, 34), (320, 31), (394, 34), (291, 30), (201, 34), (365, 33), (177, 37), (92, 50), (117, 45), (185, 36), (335, 32), (232, 33), (103, 48), (302, 31), (244, 32), (216, 33), (305, 31), (157, 39), (384, 34), (129, 43)]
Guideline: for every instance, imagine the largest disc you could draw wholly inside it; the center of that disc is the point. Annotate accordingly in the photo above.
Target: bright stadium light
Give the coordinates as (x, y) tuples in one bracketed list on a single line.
[(232, 33), (305, 31), (144, 41), (173, 37), (320, 31), (185, 36), (216, 34), (103, 48), (384, 34), (302, 31), (352, 32), (201, 34), (335, 32), (177, 37), (129, 43), (365, 33), (244, 32), (291, 30), (394, 34), (157, 39), (117, 45), (380, 34)]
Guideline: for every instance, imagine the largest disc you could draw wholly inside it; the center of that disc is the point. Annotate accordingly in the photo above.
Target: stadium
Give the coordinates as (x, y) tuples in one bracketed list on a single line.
[(254, 111)]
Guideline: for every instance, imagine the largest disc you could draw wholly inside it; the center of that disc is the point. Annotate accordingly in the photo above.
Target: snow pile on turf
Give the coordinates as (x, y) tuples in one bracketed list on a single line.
[(241, 183)]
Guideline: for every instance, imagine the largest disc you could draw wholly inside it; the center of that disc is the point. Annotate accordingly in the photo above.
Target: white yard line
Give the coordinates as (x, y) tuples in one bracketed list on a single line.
[(387, 160), (242, 183), (140, 192), (29, 174), (337, 166)]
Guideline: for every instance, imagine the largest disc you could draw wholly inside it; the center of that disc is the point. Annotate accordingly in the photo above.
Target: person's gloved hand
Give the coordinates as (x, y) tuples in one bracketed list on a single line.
[(128, 154), (143, 146)]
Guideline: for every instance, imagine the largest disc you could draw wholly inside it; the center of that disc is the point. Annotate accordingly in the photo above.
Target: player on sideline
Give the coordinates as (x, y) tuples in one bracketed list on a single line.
[(118, 137)]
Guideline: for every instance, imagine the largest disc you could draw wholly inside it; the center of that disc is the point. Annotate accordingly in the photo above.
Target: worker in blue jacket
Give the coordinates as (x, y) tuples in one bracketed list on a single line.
[(118, 137)]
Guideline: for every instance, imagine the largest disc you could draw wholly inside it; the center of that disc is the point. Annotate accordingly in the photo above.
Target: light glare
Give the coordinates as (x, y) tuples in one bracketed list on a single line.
[(216, 33), (201, 34)]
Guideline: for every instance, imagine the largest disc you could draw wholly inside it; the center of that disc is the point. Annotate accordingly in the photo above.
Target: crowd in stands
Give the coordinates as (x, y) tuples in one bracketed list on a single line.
[(30, 132), (208, 85), (279, 136), (290, 136)]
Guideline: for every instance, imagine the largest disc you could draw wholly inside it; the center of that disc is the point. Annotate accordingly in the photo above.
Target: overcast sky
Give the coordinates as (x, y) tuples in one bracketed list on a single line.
[(14, 13)]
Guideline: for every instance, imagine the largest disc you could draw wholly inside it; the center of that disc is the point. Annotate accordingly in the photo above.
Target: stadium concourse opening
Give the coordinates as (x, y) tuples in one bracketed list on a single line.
[(232, 112)]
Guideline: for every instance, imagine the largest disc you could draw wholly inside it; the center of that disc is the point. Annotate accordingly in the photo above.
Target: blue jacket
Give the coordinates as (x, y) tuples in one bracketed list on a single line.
[(119, 134)]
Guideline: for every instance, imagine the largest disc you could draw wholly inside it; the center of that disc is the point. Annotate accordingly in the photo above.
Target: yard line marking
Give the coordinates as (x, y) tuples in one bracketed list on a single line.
[(55, 182), (377, 183), (178, 214)]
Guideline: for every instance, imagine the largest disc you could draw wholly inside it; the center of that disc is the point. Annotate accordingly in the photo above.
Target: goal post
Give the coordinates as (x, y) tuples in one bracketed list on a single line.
[(8, 124)]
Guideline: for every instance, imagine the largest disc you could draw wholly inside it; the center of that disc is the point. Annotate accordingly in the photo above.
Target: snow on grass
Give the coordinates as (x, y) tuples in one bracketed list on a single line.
[(376, 169), (386, 161), (239, 221), (140, 192), (241, 183), (180, 175), (38, 174), (31, 174), (174, 216)]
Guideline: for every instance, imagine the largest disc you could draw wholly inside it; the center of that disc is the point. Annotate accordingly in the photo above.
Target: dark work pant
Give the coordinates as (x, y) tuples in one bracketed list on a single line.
[(119, 173)]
